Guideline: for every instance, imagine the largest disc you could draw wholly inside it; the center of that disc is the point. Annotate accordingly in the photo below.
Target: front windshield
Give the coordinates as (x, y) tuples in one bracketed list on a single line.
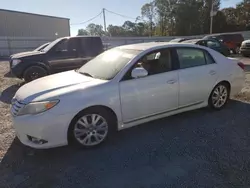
[(108, 64), (41, 47), (47, 48)]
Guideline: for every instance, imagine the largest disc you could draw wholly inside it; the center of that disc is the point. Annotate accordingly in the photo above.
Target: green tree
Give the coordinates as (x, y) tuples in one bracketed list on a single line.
[(148, 11), (82, 32), (95, 30)]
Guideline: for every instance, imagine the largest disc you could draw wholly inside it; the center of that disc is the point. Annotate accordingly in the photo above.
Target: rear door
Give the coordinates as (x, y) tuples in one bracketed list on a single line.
[(197, 75), (64, 55)]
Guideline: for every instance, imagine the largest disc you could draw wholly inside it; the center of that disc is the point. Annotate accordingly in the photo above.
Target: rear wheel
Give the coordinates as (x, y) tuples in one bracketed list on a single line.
[(219, 96), (33, 73)]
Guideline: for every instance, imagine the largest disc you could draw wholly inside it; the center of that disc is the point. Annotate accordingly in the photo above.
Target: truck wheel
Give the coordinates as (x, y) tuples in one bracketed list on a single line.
[(236, 50), (33, 73)]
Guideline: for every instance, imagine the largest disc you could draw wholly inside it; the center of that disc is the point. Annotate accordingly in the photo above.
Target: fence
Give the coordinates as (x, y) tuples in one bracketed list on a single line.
[(117, 41), (11, 45)]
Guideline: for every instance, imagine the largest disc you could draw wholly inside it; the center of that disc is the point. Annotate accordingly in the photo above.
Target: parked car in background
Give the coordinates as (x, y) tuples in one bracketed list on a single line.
[(123, 87), (63, 54), (245, 48), (179, 39), (232, 40), (211, 43), (39, 48), (106, 46)]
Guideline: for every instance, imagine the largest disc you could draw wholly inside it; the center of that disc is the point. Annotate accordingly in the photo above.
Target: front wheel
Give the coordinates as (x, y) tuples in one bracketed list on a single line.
[(236, 50), (91, 128), (33, 73), (219, 96)]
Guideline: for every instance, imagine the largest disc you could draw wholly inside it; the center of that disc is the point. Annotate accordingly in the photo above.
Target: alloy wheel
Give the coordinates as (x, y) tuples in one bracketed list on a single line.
[(219, 96), (237, 50), (91, 129)]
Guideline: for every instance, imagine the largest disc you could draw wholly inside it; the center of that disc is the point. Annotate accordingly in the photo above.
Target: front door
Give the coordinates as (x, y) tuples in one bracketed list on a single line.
[(197, 75), (153, 94), (65, 55)]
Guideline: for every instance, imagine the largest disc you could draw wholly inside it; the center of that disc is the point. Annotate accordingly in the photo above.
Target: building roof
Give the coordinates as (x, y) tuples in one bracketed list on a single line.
[(4, 10)]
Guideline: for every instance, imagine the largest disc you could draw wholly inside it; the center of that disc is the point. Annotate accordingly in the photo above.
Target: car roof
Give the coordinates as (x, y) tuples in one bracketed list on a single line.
[(152, 45), (222, 34), (81, 37), (177, 39), (193, 41)]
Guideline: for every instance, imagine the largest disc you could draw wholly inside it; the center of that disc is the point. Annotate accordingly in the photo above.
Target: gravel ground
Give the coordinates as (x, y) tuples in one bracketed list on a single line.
[(202, 148)]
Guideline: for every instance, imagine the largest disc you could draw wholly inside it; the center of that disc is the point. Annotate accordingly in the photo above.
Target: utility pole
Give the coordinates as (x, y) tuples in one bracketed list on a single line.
[(104, 20), (211, 17)]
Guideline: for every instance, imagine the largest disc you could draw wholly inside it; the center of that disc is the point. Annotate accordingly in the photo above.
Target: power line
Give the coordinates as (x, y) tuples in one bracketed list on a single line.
[(87, 20), (124, 16)]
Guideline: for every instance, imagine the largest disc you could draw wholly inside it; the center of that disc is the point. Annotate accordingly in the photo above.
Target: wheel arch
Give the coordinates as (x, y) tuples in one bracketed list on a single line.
[(100, 108), (226, 82), (38, 64), (220, 82)]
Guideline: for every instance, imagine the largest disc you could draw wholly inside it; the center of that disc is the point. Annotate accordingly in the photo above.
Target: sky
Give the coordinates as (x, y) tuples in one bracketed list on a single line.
[(79, 11)]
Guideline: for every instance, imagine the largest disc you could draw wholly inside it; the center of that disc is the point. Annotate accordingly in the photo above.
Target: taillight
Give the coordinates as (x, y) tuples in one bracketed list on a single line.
[(241, 65)]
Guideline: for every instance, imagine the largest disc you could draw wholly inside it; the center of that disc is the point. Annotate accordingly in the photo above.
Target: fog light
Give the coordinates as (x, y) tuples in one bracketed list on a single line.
[(36, 140)]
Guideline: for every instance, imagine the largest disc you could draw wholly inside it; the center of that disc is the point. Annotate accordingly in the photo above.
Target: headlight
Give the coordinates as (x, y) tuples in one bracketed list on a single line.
[(243, 44), (37, 107), (15, 62)]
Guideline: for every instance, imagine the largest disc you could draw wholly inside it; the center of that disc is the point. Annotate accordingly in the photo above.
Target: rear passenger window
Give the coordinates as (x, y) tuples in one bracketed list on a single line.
[(190, 57)]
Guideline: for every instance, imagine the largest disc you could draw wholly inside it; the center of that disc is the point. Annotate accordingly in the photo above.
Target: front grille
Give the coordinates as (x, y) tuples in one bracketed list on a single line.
[(16, 107), (248, 45)]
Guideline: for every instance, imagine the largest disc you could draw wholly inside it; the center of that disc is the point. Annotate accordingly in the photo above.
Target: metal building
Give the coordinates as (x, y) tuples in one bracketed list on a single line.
[(21, 24)]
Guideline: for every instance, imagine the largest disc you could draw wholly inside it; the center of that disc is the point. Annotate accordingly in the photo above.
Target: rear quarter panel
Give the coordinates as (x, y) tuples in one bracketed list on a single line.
[(228, 70)]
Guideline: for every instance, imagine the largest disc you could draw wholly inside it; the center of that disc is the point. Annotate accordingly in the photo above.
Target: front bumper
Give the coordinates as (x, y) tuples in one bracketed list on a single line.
[(46, 126), (16, 71), (245, 51)]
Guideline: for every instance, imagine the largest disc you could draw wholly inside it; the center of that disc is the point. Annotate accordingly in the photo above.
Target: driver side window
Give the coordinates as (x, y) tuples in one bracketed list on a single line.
[(62, 46), (154, 63), (212, 44), (67, 45)]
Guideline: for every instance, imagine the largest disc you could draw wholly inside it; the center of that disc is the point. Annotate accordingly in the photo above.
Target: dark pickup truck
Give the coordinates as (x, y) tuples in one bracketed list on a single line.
[(60, 55)]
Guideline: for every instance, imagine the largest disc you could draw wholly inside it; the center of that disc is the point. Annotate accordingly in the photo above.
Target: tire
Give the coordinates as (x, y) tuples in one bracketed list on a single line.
[(219, 96), (236, 50), (34, 72), (85, 133)]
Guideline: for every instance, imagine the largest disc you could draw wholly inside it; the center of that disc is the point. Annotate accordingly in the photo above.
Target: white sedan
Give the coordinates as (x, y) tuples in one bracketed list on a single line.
[(121, 88)]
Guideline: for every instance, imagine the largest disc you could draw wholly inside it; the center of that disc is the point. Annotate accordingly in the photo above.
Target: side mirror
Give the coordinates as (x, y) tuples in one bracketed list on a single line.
[(139, 72)]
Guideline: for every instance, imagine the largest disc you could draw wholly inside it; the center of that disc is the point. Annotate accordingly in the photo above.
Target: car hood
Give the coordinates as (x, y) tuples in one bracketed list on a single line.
[(54, 85), (26, 54), (21, 53)]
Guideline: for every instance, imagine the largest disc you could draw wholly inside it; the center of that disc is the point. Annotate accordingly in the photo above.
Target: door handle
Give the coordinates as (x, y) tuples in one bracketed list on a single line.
[(171, 81), (212, 72)]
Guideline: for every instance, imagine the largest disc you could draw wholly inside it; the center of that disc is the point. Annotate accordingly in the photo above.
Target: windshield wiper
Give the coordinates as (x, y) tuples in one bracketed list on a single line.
[(86, 74)]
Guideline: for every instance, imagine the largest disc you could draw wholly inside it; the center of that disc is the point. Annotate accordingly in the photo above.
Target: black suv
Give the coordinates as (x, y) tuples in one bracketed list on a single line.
[(60, 55)]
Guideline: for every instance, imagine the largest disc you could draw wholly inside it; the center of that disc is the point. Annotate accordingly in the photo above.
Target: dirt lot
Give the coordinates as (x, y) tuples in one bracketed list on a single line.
[(201, 148)]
